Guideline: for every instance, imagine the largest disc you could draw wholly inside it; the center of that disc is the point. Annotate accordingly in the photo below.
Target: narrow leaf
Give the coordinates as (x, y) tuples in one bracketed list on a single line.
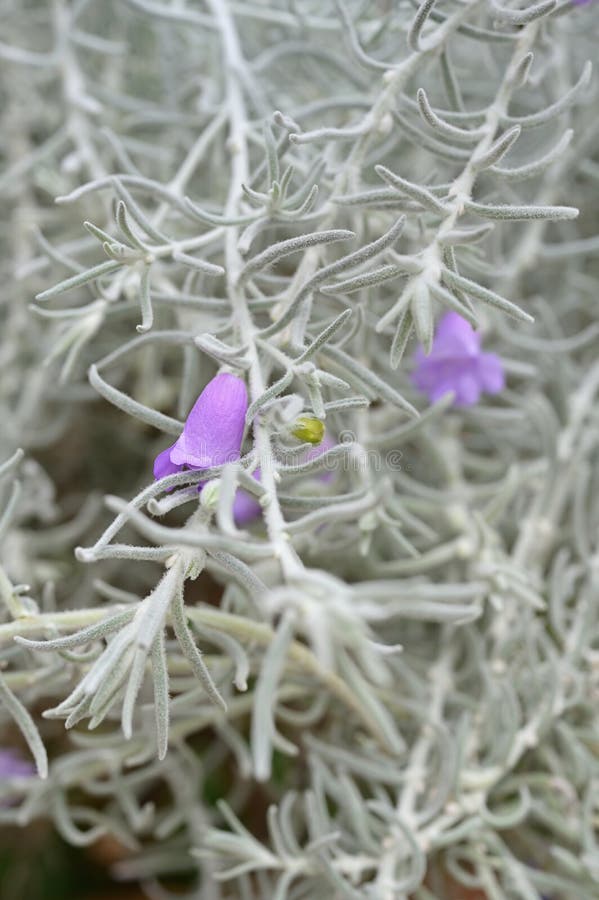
[(369, 379), (191, 652), (201, 265), (414, 34), (365, 280), (82, 278), (519, 17), (453, 132), (27, 726), (284, 248), (498, 149), (401, 338), (269, 394), (145, 301), (325, 335), (422, 315), (490, 297), (414, 191), (161, 703), (521, 213), (262, 728), (132, 407)]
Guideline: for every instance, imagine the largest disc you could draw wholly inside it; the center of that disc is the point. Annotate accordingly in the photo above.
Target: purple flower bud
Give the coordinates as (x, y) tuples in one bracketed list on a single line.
[(213, 430), (246, 508), (456, 363)]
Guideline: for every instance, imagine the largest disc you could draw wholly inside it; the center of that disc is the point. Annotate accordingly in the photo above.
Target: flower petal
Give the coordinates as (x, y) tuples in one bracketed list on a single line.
[(491, 373), (426, 375), (13, 766), (163, 464), (245, 508), (439, 390), (214, 428), (467, 390), (457, 364), (454, 336)]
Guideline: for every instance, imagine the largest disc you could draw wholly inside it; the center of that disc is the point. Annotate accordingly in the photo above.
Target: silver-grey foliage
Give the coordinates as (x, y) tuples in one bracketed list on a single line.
[(404, 656)]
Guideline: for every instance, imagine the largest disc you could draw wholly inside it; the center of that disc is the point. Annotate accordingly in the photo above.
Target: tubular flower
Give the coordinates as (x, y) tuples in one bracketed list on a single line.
[(456, 363), (213, 430)]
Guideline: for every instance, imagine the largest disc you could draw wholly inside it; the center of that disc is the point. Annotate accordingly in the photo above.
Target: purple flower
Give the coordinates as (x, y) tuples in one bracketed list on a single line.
[(12, 766), (246, 508), (457, 364), (213, 430)]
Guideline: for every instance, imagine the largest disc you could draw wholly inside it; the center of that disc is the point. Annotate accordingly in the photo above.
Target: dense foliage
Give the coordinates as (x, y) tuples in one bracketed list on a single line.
[(382, 683)]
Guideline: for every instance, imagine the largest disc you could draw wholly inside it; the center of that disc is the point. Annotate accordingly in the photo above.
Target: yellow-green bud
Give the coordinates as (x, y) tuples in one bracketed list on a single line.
[(308, 430)]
